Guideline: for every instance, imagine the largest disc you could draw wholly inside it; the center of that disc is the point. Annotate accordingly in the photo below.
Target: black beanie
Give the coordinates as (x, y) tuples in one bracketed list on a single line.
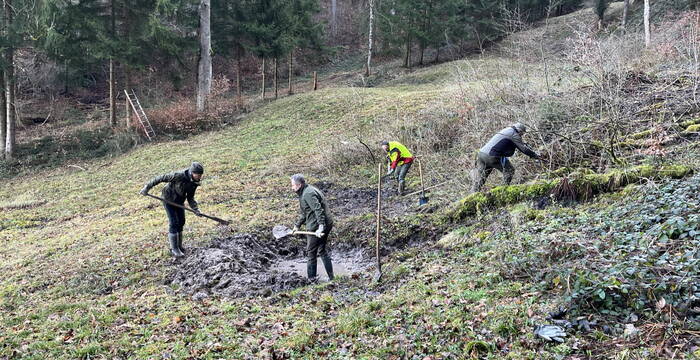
[(196, 168)]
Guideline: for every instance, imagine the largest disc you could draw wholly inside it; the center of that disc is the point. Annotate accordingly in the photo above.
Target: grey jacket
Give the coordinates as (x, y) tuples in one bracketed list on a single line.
[(504, 143)]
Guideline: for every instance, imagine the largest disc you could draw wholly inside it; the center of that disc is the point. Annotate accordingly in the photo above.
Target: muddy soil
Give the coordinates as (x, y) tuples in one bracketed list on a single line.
[(242, 265), (344, 202)]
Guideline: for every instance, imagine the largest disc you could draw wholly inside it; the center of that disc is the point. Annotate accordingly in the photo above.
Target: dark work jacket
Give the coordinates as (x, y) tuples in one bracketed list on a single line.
[(180, 187), (314, 212)]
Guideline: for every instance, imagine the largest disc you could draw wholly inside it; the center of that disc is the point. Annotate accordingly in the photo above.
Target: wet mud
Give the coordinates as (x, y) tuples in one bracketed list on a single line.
[(244, 265)]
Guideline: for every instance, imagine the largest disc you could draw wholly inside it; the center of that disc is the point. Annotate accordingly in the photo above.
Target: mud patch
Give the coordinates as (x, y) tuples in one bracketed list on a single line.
[(246, 265), (344, 264), (344, 202)]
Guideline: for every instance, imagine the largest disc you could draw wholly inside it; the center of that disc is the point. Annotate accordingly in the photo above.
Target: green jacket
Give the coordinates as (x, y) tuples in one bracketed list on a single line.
[(314, 211), (180, 187)]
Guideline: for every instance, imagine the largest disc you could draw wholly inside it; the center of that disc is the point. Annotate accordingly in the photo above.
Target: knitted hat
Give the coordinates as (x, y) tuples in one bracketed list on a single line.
[(196, 168), (520, 127)]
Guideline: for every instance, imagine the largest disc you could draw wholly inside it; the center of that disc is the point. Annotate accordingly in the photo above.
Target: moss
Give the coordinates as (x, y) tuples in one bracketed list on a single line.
[(676, 171), (642, 134), (689, 123), (692, 129), (584, 183), (560, 172)]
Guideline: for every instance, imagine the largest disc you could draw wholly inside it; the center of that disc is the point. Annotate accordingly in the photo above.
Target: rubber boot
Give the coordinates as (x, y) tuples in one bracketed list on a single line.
[(329, 266), (401, 186), (174, 249), (311, 270), (179, 243)]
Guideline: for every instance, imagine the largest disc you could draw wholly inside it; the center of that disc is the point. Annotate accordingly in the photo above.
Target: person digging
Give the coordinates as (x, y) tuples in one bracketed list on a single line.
[(399, 160), (495, 154), (314, 214), (181, 185)]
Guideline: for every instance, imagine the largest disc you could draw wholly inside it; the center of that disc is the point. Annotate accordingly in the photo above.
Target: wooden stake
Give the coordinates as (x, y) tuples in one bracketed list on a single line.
[(378, 273), (315, 81)]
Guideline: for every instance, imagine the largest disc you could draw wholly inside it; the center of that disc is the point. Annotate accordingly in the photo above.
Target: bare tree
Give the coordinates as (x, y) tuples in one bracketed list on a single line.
[(9, 86), (369, 46), (291, 71), (112, 77), (204, 71), (625, 11), (263, 78), (3, 122), (334, 17), (647, 26)]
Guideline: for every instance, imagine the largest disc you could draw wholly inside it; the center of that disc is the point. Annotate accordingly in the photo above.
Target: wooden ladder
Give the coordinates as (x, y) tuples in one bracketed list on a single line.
[(140, 114)]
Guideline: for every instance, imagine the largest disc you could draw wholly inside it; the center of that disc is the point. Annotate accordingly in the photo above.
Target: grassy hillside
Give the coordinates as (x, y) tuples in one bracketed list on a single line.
[(87, 274)]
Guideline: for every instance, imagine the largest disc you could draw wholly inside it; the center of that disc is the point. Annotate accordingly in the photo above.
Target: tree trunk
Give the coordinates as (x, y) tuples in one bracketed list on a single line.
[(422, 52), (127, 87), (275, 77), (112, 75), (291, 71), (3, 118), (263, 78), (9, 87), (239, 102), (334, 18), (437, 54), (625, 11), (407, 59), (647, 26), (370, 39), (112, 95), (204, 71)]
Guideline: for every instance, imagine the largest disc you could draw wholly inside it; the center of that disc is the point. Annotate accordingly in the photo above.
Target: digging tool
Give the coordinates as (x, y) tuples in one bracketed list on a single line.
[(423, 199), (281, 231), (428, 188), (378, 272), (220, 221)]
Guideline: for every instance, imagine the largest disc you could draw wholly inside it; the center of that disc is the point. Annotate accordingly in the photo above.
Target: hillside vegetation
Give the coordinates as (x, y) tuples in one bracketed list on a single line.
[(602, 238)]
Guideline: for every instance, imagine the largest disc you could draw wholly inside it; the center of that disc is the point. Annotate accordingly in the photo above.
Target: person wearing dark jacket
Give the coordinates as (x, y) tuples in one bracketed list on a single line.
[(181, 186), (495, 154), (314, 214)]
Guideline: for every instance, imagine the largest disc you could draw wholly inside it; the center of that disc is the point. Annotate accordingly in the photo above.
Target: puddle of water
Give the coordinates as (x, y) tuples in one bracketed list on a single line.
[(343, 264)]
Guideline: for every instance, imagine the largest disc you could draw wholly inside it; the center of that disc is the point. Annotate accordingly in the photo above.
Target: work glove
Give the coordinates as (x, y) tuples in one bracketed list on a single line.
[(319, 231), (144, 191), (197, 212), (550, 333), (295, 229), (391, 172)]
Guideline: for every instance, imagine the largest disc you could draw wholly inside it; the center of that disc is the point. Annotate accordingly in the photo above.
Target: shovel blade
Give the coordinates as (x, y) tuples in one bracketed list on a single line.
[(281, 231), (423, 200)]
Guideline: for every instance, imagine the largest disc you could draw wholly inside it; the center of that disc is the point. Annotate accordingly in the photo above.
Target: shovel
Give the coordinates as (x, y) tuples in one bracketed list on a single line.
[(219, 220), (281, 231)]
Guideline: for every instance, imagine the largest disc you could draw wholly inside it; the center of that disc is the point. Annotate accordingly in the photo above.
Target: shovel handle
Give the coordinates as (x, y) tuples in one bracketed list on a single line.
[(220, 221), (306, 233)]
